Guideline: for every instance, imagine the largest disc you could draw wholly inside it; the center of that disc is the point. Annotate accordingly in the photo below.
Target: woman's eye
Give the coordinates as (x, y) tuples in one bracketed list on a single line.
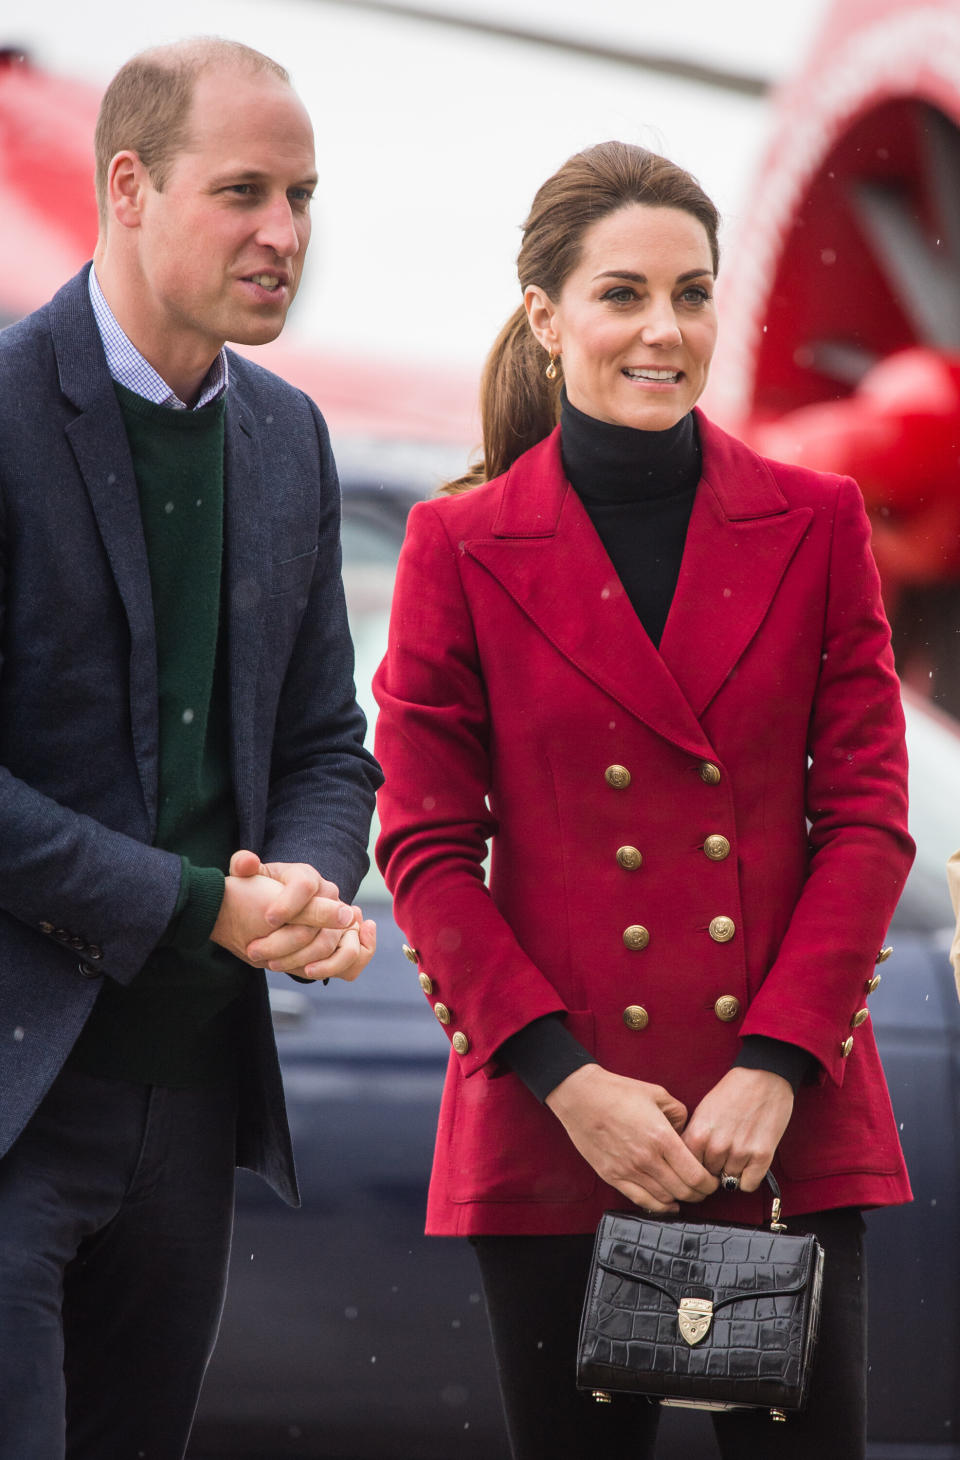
[(696, 294), (620, 295)]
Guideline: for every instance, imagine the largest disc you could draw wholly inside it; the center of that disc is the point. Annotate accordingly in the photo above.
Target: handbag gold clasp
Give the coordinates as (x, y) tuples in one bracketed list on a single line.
[(694, 1317)]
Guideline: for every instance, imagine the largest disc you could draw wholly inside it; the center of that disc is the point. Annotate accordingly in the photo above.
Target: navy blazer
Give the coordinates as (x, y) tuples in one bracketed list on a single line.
[(83, 893)]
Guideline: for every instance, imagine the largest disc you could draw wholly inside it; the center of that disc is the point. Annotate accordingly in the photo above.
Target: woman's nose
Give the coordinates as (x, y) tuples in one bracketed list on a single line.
[(660, 326)]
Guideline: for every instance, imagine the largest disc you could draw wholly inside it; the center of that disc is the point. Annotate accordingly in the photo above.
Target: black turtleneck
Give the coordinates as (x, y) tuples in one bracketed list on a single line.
[(638, 488)]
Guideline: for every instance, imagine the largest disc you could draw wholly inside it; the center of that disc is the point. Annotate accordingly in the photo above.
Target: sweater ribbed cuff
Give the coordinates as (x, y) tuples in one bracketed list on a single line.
[(198, 906)]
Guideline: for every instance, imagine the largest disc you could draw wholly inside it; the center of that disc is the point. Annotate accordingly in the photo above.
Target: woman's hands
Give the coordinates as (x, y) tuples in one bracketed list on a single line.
[(738, 1124), (628, 1131), (638, 1139)]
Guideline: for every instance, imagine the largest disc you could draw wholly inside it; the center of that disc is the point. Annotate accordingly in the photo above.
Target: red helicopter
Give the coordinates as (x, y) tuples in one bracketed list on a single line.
[(842, 301)]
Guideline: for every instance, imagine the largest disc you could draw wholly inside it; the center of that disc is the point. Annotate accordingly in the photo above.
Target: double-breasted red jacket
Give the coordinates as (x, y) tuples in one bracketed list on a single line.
[(688, 845)]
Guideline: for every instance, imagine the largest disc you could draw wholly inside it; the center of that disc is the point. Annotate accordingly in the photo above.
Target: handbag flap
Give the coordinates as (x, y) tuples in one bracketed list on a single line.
[(686, 1260)]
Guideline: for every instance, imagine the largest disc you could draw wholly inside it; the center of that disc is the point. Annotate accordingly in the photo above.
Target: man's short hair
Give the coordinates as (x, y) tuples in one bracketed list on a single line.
[(146, 107)]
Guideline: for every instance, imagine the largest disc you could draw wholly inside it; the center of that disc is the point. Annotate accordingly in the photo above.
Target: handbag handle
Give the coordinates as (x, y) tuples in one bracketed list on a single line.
[(776, 1225)]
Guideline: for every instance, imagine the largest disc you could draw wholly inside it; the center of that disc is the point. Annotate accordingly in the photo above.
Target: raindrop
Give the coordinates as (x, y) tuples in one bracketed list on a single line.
[(455, 1323), (373, 1358), (828, 256), (188, 717), (18, 1033), (351, 1312), (269, 420), (198, 501), (168, 508), (474, 1298)]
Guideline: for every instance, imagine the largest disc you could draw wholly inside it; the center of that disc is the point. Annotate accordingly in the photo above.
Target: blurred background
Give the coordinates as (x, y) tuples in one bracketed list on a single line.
[(828, 133)]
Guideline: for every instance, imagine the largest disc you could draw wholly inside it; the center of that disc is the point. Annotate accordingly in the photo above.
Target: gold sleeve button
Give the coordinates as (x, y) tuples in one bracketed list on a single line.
[(722, 929), (872, 984), (860, 1017), (883, 955), (709, 773), (410, 954), (442, 1013), (847, 1046), (635, 937), (635, 1016), (618, 777), (425, 982), (629, 858), (716, 847), (460, 1042), (727, 1008)]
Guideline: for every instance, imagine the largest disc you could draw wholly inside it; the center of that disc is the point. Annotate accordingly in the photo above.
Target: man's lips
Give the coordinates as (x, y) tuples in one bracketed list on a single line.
[(269, 279)]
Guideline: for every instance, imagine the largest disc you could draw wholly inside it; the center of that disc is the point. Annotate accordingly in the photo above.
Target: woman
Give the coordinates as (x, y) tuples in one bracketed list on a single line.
[(652, 669)]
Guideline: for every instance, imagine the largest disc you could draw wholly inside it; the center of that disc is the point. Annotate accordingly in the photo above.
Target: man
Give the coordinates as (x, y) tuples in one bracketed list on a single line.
[(176, 700)]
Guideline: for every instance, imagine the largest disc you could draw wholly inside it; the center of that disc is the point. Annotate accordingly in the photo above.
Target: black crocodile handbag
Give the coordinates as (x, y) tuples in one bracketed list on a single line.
[(701, 1316)]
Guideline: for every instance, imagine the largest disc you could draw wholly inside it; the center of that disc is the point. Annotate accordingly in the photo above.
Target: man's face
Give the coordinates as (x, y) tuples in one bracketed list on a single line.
[(222, 246)]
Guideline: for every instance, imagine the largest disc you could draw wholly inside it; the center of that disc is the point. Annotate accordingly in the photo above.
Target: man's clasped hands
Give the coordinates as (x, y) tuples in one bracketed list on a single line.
[(286, 917)]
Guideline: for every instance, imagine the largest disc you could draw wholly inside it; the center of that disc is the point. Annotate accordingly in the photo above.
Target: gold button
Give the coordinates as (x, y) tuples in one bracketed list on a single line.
[(618, 777), (860, 1017), (716, 847), (727, 1008), (883, 955), (460, 1042), (442, 1013), (847, 1046), (411, 953), (635, 1016), (709, 773), (872, 984), (426, 983), (636, 937), (629, 858), (722, 929)]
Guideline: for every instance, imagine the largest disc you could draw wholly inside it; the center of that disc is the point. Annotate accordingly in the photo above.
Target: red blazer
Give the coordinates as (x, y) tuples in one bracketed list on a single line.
[(755, 763)]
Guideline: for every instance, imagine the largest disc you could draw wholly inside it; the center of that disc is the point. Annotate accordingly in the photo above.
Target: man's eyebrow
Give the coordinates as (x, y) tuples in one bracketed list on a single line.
[(248, 174)]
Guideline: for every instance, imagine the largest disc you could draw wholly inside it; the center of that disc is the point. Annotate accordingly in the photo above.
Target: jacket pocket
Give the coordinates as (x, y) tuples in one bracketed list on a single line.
[(506, 1146)]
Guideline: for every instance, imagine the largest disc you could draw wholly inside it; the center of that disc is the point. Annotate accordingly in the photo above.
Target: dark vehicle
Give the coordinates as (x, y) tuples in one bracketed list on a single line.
[(349, 1334)]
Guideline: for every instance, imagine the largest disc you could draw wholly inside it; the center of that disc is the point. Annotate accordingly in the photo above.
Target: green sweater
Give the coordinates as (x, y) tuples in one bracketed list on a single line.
[(176, 1023)]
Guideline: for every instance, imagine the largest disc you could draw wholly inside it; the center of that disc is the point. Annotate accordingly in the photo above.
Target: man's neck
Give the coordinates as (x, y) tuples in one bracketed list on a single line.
[(183, 362)]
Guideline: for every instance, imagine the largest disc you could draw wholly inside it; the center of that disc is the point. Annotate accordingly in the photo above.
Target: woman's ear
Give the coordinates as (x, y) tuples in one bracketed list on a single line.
[(542, 316)]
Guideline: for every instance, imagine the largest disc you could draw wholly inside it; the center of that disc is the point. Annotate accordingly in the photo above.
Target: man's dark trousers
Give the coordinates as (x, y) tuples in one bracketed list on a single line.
[(117, 1200)]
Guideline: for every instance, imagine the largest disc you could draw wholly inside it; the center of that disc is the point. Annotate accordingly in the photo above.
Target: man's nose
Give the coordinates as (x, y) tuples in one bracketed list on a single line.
[(277, 228)]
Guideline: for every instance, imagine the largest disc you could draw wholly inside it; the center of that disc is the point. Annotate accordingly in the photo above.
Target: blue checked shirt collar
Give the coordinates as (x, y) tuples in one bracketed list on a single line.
[(128, 367)]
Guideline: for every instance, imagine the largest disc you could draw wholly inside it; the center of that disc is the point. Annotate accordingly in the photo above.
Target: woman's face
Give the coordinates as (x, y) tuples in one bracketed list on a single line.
[(635, 323)]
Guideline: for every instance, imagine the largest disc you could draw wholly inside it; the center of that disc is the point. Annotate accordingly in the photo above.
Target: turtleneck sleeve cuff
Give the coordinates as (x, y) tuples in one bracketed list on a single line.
[(543, 1054), (796, 1065)]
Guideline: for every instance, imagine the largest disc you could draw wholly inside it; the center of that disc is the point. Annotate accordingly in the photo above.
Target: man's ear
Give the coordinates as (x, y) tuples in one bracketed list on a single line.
[(541, 313), (127, 182)]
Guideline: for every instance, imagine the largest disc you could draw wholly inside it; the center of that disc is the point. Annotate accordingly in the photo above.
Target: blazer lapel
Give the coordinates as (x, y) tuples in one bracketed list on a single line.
[(740, 541), (742, 536), (246, 557), (547, 555), (99, 444)]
